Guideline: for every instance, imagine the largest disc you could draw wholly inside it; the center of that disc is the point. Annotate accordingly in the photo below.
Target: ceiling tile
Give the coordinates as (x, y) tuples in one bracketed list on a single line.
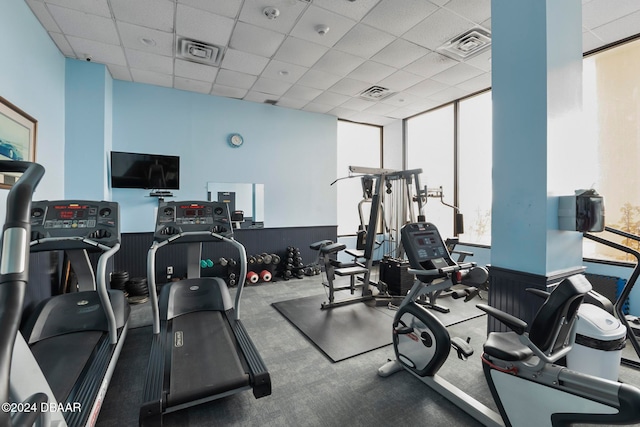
[(244, 62), (269, 86), (191, 85), (401, 99), (278, 70), (438, 28), (245, 37), (152, 78), (351, 9), (380, 108), (80, 24), (157, 14), (474, 10), (291, 103), (331, 98), (590, 41), (599, 12), (62, 43), (119, 73), (481, 61), (253, 13), (400, 53), (203, 26), (300, 52), (448, 95), (340, 63), (426, 88), (619, 29), (318, 79), (373, 119), (476, 84), (371, 72), (343, 113), (235, 79), (396, 16), (317, 108), (195, 71), (149, 61), (363, 40), (349, 87), (457, 74), (400, 80), (94, 7), (228, 8), (42, 13), (228, 92), (357, 104), (314, 16), (260, 97), (132, 36), (99, 52), (430, 64), (302, 92)]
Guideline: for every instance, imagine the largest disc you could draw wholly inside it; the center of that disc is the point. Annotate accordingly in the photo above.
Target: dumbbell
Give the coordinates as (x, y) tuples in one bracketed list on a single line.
[(265, 275), (223, 262), (266, 258), (275, 259)]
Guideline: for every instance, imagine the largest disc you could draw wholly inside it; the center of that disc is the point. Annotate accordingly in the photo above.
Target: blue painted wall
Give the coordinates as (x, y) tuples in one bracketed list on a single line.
[(293, 153), (32, 78)]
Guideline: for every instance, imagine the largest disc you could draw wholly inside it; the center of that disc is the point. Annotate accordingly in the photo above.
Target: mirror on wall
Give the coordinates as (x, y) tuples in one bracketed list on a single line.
[(248, 198)]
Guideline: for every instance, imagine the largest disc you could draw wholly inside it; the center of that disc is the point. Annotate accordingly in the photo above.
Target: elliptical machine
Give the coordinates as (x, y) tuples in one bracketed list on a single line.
[(527, 385)]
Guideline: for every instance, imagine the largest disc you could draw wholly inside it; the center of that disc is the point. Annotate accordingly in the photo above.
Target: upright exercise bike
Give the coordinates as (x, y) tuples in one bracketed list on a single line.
[(529, 387)]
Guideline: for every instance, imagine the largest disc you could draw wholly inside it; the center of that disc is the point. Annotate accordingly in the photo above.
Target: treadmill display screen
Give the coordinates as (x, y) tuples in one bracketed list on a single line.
[(71, 212)]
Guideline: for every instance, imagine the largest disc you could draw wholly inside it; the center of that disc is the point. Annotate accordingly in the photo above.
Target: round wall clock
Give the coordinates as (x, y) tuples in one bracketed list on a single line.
[(236, 140)]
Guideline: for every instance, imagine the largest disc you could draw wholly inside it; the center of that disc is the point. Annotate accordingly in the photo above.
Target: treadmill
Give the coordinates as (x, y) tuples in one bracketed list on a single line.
[(200, 350), (70, 343)]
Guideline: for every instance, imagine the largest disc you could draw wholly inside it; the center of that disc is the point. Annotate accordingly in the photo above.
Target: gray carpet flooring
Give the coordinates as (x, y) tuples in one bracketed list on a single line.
[(308, 388)]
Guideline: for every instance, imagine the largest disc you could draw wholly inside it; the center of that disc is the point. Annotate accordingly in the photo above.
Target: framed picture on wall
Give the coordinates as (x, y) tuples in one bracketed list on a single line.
[(17, 138)]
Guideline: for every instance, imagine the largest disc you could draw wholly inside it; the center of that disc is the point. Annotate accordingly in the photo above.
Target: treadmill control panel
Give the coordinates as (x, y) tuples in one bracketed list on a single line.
[(97, 221), (178, 217), (424, 246)]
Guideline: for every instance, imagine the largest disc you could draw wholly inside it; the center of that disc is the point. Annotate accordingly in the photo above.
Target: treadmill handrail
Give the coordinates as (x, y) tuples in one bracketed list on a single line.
[(14, 271), (89, 242), (151, 270), (101, 288)]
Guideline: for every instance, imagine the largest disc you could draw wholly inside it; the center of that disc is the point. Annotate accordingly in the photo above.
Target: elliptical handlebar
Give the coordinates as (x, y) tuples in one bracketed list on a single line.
[(14, 269)]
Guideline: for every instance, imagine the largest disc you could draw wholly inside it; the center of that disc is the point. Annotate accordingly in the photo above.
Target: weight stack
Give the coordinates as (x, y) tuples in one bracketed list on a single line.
[(394, 273)]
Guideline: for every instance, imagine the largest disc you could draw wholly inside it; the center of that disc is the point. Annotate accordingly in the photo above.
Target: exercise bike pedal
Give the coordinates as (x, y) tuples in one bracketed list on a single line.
[(462, 347)]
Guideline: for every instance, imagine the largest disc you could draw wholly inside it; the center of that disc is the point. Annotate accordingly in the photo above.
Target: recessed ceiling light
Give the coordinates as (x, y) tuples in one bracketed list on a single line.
[(271, 12), (147, 41)]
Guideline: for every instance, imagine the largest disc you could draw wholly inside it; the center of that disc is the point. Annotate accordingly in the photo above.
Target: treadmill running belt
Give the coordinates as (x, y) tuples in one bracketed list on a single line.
[(205, 359), (63, 358)]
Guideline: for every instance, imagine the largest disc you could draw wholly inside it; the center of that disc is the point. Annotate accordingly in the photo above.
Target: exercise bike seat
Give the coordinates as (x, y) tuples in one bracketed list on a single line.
[(506, 346), (549, 329)]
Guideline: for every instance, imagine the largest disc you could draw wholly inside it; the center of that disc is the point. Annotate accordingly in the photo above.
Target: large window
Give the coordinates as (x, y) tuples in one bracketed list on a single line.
[(358, 145), (611, 99), (474, 167), (430, 147)]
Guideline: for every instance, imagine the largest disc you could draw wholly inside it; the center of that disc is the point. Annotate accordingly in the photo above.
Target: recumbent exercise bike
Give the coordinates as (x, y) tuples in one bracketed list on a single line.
[(520, 366)]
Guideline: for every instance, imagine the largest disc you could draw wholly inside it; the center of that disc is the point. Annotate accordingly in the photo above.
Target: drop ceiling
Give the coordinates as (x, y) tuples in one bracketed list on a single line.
[(316, 55)]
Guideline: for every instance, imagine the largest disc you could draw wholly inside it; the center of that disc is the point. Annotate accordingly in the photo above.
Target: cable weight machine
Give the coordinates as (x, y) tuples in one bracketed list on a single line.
[(395, 198)]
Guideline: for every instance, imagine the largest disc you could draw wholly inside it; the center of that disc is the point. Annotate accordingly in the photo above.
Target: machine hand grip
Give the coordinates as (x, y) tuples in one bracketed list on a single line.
[(517, 325)]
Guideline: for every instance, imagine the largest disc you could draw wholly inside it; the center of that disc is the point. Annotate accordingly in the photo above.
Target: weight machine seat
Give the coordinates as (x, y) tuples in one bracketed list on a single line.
[(317, 245), (333, 248), (356, 253), (550, 327)]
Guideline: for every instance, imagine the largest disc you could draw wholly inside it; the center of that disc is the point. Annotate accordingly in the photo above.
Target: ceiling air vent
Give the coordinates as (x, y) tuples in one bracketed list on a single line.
[(271, 101), (467, 44), (196, 51), (375, 93)]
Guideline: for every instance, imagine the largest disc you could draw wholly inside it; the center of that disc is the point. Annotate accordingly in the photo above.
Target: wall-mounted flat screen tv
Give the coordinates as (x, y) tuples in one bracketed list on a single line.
[(149, 171)]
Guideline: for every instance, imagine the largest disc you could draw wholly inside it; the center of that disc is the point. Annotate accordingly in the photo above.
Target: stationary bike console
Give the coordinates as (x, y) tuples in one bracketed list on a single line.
[(74, 224), (191, 220), (427, 253)]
